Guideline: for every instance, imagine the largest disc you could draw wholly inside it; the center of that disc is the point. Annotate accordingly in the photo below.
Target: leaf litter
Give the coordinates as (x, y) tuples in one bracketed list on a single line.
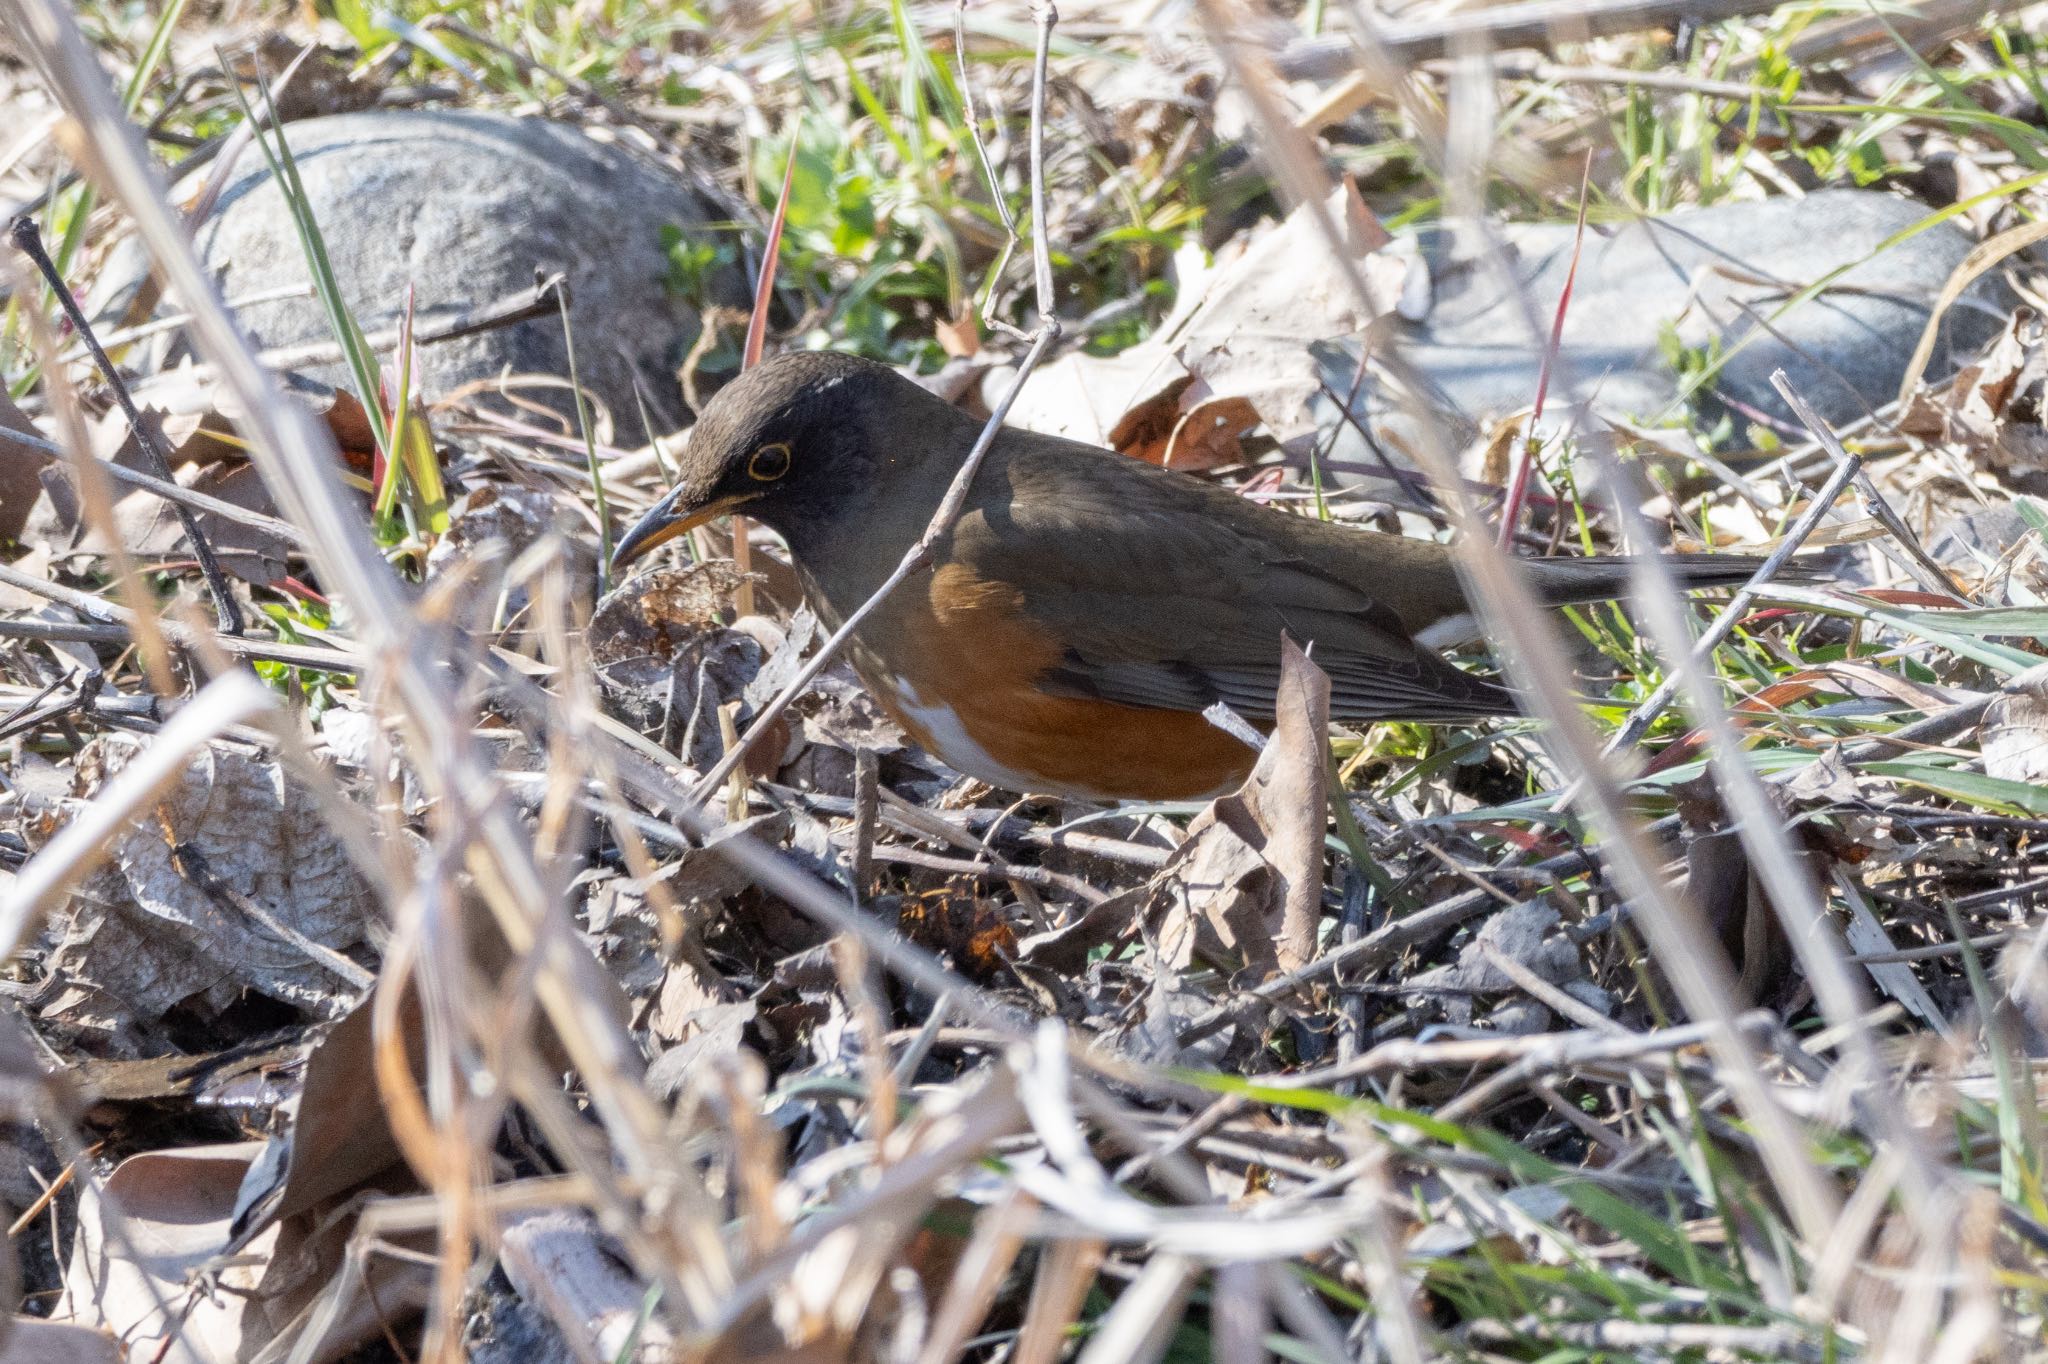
[(1414, 1057)]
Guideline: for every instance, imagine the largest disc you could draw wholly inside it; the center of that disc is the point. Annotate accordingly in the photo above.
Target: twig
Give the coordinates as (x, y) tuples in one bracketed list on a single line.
[(955, 501), (29, 242), (988, 170), (45, 451), (235, 646), (118, 626), (520, 306), (1653, 705), (1930, 573), (1525, 25)]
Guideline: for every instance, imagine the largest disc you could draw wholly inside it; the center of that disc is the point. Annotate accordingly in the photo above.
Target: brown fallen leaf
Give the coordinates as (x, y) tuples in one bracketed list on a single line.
[(174, 1209), (1994, 409), (20, 485), (1240, 333), (1247, 885), (234, 870)]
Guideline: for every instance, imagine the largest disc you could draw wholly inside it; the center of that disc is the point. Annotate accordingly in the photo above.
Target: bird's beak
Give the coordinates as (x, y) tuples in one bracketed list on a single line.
[(667, 519)]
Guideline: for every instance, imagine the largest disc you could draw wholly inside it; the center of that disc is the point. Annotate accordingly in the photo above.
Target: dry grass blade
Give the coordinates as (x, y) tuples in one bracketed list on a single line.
[(1425, 1041)]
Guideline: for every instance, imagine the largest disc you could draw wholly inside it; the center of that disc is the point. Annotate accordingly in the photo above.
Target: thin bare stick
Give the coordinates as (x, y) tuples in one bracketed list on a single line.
[(750, 355), (125, 623), (988, 170), (21, 443), (920, 554), (1531, 24), (1653, 705), (29, 242)]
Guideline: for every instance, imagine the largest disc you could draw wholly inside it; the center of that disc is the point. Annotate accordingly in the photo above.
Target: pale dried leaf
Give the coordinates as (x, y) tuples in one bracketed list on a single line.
[(1237, 348), (174, 1208), (144, 933), (31, 1340), (2015, 738)]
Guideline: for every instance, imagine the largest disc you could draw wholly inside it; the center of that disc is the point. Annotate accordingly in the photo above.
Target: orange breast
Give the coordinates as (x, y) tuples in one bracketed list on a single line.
[(954, 658)]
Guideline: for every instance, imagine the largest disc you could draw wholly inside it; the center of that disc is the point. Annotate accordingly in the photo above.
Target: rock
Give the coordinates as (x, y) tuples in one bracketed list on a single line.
[(1691, 272), (466, 207)]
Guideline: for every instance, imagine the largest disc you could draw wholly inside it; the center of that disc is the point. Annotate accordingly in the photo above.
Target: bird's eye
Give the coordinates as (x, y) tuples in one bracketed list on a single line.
[(769, 463)]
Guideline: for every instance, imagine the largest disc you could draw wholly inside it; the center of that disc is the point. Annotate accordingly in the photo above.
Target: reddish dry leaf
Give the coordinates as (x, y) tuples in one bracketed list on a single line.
[(1242, 331), (961, 337)]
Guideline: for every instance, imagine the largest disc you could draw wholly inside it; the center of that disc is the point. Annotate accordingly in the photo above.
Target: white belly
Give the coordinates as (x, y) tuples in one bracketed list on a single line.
[(952, 745)]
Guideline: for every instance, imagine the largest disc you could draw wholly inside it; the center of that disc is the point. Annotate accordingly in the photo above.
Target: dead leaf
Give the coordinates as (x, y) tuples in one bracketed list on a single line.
[(147, 525), (1241, 332), (665, 655), (19, 470), (961, 925), (31, 1340), (1089, 397), (338, 1138), (1247, 885), (2014, 738), (174, 1209), (961, 337), (1065, 949), (191, 903), (1725, 892), (1994, 409), (507, 519)]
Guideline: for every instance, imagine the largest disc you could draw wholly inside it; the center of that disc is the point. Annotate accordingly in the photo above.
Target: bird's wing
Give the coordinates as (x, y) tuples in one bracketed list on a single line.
[(1172, 594)]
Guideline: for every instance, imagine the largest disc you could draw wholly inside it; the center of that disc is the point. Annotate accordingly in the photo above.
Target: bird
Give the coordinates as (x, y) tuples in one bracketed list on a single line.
[(1085, 608)]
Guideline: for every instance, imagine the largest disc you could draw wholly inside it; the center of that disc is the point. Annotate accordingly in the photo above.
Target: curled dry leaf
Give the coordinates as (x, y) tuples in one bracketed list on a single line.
[(2015, 738), (1247, 885), (174, 1209), (666, 657), (216, 892), (1994, 409), (505, 519), (1524, 933), (1234, 352)]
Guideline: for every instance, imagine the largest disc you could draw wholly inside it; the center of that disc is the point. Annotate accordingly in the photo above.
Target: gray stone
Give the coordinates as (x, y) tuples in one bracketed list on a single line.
[(465, 207), (1693, 273)]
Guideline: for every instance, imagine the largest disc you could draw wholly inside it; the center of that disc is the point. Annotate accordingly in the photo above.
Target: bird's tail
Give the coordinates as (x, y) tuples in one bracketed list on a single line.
[(1563, 581)]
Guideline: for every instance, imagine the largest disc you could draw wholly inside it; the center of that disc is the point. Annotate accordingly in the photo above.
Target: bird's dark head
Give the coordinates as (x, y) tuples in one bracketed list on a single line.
[(789, 443)]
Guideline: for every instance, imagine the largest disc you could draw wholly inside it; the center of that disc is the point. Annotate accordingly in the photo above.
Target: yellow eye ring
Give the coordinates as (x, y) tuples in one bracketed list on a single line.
[(769, 463)]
